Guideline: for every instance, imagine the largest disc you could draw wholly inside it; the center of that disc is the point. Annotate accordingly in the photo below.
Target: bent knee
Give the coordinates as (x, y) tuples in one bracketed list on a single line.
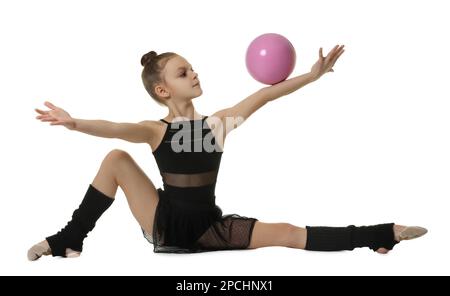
[(117, 155)]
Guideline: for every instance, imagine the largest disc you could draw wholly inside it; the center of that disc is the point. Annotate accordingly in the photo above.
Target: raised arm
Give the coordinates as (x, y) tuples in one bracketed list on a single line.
[(140, 132), (242, 110)]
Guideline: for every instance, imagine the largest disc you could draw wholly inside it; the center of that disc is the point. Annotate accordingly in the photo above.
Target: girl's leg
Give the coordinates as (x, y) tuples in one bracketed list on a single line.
[(277, 234), (288, 235), (119, 169)]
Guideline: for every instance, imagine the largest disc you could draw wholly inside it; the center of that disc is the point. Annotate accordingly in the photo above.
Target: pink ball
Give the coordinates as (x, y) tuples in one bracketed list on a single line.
[(270, 58)]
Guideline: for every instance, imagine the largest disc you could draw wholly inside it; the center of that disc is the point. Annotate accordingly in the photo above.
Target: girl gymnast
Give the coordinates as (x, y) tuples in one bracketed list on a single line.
[(182, 217)]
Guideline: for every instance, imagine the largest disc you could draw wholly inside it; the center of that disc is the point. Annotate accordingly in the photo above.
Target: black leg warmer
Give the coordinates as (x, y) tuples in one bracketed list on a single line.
[(83, 221), (350, 237)]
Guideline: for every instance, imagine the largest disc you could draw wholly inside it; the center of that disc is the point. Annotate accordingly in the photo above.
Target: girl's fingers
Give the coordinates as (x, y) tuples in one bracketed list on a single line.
[(40, 111), (320, 53), (334, 52), (55, 123), (340, 49), (44, 117), (49, 119), (338, 55), (50, 105)]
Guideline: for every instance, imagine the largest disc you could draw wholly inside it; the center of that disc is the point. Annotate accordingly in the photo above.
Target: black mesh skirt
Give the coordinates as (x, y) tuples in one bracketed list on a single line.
[(183, 226)]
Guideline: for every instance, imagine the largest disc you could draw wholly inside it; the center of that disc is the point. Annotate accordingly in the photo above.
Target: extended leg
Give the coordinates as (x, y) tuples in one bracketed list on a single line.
[(380, 238)]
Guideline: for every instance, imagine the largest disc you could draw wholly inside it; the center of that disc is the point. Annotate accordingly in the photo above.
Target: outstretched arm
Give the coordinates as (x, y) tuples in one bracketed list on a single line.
[(322, 66), (140, 132), (242, 110)]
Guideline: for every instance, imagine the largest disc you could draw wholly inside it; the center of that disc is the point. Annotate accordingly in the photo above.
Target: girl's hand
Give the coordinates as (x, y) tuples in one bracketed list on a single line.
[(56, 116), (324, 65)]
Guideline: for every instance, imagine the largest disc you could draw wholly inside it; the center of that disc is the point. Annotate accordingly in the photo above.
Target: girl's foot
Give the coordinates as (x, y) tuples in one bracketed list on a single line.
[(43, 249), (405, 233)]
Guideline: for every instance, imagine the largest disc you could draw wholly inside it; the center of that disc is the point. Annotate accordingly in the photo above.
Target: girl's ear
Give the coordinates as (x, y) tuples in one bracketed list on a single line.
[(161, 91)]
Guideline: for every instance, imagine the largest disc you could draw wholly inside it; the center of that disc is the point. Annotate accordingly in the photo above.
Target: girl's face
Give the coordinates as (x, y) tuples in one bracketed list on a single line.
[(181, 81)]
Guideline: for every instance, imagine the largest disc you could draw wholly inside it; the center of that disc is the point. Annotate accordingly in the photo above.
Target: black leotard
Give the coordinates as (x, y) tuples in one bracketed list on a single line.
[(187, 218)]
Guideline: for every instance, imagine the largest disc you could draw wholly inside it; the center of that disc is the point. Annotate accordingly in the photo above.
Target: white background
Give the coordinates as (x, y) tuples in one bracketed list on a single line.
[(367, 144)]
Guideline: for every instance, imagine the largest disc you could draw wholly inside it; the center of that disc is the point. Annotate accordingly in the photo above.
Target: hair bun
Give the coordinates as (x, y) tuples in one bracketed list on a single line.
[(146, 58)]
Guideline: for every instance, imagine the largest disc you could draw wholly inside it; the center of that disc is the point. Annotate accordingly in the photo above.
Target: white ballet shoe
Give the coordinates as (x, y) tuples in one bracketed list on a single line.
[(412, 232), (43, 249), (409, 232), (38, 250)]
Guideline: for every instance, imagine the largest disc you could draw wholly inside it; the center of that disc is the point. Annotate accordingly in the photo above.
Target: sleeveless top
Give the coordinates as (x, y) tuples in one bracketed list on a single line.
[(187, 218), (188, 159)]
